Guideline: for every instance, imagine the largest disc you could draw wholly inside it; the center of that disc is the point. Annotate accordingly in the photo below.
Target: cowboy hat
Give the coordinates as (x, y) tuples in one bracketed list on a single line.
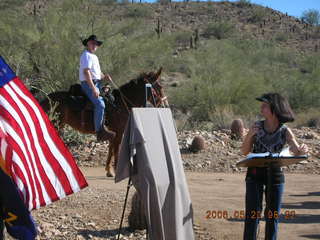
[(91, 38)]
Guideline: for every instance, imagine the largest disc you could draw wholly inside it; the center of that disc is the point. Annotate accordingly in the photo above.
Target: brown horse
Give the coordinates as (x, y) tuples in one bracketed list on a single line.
[(129, 95)]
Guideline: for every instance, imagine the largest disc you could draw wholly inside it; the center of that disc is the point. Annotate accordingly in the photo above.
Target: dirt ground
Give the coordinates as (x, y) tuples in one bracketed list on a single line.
[(95, 212), (225, 192)]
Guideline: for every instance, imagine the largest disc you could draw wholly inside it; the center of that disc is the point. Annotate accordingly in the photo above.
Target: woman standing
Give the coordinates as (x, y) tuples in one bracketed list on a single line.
[(269, 135)]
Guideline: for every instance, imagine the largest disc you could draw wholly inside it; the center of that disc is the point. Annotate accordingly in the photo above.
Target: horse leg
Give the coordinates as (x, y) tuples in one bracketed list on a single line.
[(116, 149), (109, 169)]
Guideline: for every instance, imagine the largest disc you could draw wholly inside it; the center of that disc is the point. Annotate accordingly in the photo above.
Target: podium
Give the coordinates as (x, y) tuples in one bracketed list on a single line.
[(266, 159)]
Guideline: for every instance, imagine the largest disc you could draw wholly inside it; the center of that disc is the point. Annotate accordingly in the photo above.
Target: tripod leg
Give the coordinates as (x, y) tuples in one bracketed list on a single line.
[(124, 208)]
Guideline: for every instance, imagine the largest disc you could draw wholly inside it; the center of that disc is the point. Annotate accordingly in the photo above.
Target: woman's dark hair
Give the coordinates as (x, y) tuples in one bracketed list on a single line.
[(279, 106)]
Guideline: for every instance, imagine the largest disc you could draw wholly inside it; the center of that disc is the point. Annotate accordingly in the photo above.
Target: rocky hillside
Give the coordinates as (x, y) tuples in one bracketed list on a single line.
[(217, 56), (251, 21)]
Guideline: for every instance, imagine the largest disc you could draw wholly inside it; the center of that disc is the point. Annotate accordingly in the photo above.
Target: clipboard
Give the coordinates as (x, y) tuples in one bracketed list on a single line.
[(284, 158)]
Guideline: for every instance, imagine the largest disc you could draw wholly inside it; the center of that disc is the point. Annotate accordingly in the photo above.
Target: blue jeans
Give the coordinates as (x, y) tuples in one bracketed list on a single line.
[(98, 104), (1, 229), (254, 198)]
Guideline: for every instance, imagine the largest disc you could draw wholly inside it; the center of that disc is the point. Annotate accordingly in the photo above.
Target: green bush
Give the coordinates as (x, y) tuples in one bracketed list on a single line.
[(228, 75), (138, 11), (311, 16), (258, 15), (281, 37), (220, 30), (244, 3)]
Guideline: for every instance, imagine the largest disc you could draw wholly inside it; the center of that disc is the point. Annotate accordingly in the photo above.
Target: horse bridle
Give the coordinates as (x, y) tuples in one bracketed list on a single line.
[(163, 101)]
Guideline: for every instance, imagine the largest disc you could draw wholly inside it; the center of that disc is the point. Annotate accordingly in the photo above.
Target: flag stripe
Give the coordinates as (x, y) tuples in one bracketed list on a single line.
[(57, 142), (28, 123), (20, 170), (24, 143), (35, 156), (17, 124), (5, 152), (15, 142), (55, 151), (50, 160)]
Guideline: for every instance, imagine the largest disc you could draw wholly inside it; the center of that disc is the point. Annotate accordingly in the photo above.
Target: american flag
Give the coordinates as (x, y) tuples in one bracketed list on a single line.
[(34, 155)]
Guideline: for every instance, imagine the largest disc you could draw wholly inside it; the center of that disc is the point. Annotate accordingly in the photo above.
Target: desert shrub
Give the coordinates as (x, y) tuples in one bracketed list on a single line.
[(258, 15), (244, 3), (106, 2), (281, 37), (220, 30), (138, 11), (307, 117), (228, 75), (164, 1), (182, 38), (311, 16)]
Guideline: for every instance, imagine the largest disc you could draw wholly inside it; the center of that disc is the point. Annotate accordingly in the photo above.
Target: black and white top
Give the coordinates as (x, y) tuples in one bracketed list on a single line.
[(268, 142)]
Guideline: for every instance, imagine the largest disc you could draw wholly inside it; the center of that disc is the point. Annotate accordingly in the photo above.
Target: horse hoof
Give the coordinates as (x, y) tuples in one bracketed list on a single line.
[(110, 174)]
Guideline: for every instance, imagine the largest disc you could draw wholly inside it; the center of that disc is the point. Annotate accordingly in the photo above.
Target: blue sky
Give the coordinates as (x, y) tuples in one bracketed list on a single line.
[(292, 7)]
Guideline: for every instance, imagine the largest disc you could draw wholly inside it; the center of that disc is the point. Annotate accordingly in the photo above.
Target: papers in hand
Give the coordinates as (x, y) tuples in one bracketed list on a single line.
[(284, 158), (285, 153)]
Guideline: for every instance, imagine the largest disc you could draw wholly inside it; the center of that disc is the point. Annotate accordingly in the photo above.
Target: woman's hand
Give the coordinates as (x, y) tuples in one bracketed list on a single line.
[(303, 149), (295, 148), (253, 130), (248, 140)]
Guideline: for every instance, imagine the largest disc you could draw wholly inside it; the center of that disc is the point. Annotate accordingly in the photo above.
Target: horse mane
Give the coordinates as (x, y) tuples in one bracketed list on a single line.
[(130, 85), (134, 81)]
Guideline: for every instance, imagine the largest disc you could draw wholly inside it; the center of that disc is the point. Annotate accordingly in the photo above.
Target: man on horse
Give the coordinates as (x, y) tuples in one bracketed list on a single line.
[(90, 77)]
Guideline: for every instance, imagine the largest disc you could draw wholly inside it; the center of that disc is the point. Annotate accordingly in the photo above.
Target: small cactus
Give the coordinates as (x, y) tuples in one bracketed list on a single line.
[(237, 129), (197, 144), (196, 38)]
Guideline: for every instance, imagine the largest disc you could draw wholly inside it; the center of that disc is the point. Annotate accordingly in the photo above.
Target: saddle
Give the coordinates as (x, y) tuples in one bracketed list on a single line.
[(78, 99), (80, 102)]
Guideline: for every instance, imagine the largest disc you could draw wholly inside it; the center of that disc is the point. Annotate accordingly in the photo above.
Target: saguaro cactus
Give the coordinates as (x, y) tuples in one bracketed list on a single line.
[(158, 28)]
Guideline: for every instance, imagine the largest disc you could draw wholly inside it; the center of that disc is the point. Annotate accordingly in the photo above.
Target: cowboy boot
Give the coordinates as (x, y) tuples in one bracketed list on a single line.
[(105, 134)]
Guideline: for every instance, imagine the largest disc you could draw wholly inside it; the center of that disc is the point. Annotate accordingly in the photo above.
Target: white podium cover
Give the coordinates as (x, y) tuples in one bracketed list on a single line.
[(150, 145)]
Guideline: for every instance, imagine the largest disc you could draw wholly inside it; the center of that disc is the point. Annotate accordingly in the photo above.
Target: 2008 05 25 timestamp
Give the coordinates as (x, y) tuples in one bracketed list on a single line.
[(241, 214)]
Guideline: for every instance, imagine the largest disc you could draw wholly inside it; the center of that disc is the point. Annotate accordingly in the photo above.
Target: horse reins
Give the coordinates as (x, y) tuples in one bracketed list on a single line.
[(155, 93), (123, 97)]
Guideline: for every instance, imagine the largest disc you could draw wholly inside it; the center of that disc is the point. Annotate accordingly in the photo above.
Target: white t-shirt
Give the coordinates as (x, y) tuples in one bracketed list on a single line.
[(91, 61)]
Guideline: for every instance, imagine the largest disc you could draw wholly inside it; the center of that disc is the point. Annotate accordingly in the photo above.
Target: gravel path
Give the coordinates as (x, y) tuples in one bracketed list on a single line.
[(95, 212)]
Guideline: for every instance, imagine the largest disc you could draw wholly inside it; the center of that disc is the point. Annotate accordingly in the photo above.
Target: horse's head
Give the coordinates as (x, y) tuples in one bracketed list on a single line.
[(157, 89)]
